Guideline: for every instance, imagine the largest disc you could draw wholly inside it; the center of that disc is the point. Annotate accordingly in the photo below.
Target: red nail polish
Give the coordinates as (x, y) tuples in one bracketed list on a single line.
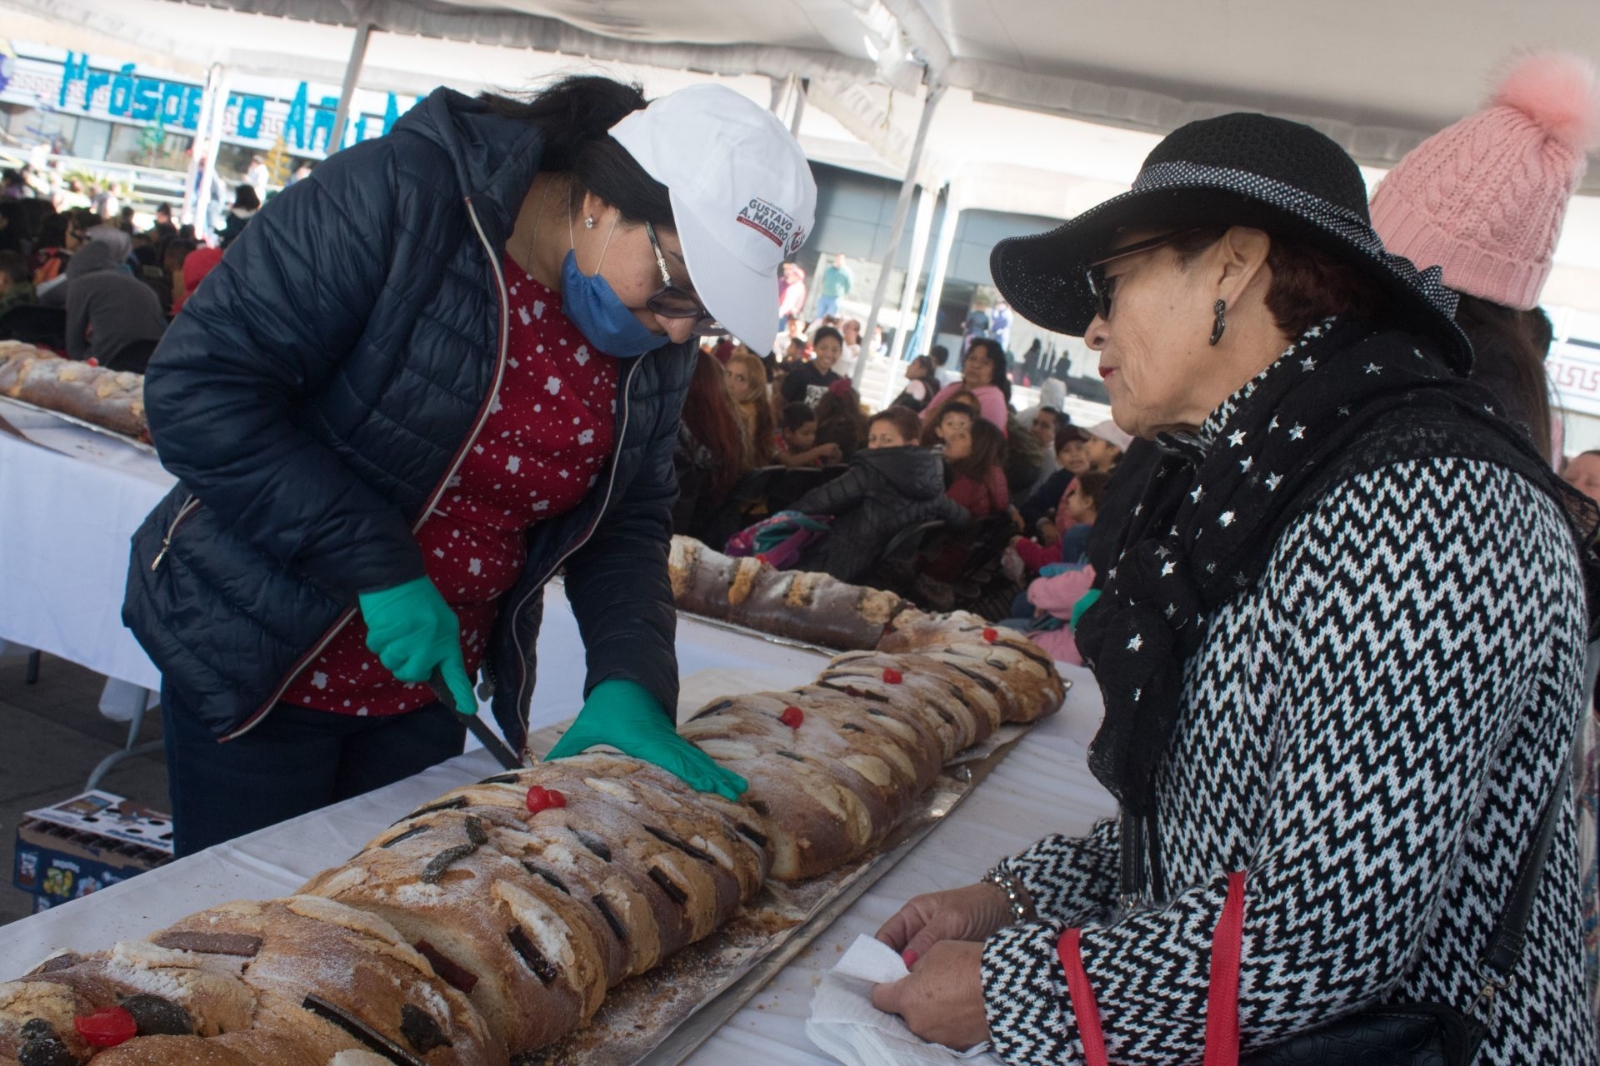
[(909, 957)]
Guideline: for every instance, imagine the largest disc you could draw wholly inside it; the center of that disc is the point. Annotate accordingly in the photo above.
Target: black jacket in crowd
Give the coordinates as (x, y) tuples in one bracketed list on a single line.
[(884, 491), (107, 307), (802, 379), (315, 397)]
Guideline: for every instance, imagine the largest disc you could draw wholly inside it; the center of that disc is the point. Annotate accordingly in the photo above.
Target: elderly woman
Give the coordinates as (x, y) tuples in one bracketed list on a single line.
[(1340, 651)]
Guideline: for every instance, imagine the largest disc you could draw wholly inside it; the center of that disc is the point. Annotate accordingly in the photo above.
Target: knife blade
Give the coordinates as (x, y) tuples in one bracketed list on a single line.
[(477, 726)]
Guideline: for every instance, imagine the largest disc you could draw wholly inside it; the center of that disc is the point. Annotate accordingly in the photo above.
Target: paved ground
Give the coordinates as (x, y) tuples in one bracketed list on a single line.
[(53, 735)]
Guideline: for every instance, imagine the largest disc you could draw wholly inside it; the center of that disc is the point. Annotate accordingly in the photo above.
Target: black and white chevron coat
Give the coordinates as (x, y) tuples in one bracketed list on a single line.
[(1367, 733)]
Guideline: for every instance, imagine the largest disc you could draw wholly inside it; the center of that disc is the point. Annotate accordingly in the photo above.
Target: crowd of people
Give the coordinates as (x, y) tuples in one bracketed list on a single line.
[(937, 496), (81, 275), (793, 408), (78, 274)]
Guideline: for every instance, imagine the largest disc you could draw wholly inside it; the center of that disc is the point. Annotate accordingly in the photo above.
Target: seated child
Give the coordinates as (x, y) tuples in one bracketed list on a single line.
[(1060, 600), (795, 442), (1064, 536), (890, 486), (808, 382), (975, 450), (962, 405), (1072, 459)]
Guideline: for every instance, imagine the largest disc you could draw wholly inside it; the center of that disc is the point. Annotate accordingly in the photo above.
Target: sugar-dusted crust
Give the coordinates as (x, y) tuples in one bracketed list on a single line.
[(112, 399), (799, 605)]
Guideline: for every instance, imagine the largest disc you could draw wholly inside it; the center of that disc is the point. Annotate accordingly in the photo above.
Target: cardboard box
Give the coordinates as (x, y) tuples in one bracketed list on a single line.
[(86, 843)]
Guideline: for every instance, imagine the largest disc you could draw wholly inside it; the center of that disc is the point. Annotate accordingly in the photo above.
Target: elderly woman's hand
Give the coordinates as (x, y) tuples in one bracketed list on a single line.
[(942, 1000), (970, 913)]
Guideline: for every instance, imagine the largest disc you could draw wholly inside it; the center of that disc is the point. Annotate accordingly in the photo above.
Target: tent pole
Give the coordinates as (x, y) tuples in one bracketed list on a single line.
[(801, 85), (197, 147), (921, 224), (209, 183), (347, 92), (941, 261), (902, 208), (778, 87)]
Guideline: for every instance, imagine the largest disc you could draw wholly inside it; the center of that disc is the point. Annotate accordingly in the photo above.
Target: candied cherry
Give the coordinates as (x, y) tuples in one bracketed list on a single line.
[(792, 717), (991, 635), (106, 1027), (541, 798), (893, 676)]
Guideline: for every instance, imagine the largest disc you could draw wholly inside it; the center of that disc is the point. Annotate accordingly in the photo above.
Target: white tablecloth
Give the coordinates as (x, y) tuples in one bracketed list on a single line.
[(1041, 786), (66, 516)]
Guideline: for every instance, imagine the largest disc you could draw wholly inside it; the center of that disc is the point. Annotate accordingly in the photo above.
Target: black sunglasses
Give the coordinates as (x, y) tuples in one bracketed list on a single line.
[(671, 301), (1103, 288)]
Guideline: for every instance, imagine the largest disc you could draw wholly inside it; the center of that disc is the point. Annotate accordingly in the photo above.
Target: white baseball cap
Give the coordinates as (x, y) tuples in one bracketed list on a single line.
[(742, 196)]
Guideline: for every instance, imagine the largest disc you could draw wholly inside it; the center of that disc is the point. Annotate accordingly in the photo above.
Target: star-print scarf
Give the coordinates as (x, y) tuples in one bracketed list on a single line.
[(1343, 400)]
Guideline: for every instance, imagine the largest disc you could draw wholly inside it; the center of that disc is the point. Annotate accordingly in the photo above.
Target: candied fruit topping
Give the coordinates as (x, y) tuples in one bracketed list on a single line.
[(541, 798), (106, 1027)]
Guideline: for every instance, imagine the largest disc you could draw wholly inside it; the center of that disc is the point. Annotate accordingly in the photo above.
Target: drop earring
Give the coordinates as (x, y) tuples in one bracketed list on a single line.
[(588, 223), (1219, 309)]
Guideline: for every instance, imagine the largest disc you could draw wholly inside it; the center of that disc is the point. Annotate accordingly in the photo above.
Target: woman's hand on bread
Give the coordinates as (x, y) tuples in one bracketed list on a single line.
[(942, 999), (971, 913), (622, 715)]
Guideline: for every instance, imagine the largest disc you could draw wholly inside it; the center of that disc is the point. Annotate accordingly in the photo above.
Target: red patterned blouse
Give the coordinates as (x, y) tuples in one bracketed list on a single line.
[(544, 445)]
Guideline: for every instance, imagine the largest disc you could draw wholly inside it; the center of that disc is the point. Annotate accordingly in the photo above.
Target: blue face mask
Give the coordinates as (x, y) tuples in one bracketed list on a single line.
[(601, 316)]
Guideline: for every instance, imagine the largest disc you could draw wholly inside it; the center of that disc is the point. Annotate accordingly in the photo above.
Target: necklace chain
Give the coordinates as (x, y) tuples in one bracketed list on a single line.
[(533, 234)]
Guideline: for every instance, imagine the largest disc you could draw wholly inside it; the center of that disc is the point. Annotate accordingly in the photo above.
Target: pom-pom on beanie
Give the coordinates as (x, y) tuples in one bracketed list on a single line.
[(1484, 199)]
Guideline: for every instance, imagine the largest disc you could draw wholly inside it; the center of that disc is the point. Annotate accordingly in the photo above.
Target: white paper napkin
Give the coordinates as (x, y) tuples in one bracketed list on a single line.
[(846, 1025)]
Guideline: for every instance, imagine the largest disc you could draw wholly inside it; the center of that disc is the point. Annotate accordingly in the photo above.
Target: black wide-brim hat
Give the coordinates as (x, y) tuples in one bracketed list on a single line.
[(1235, 170)]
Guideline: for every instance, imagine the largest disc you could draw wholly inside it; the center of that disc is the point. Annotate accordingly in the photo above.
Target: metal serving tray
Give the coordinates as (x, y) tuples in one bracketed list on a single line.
[(659, 1018)]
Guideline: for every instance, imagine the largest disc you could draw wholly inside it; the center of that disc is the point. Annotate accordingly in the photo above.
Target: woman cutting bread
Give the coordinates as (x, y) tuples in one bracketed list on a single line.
[(444, 367)]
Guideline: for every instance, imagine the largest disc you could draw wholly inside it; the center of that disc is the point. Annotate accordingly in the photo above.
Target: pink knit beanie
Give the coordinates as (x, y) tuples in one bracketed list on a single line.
[(1484, 199)]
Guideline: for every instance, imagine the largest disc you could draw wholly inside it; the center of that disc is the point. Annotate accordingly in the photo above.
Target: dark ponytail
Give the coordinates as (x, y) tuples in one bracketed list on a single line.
[(575, 114), (1509, 349)]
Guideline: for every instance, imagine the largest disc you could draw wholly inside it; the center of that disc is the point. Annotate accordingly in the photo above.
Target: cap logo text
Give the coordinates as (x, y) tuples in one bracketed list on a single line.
[(772, 222)]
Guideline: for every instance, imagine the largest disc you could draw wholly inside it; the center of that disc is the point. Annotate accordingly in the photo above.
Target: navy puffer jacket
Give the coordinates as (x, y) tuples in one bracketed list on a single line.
[(316, 394)]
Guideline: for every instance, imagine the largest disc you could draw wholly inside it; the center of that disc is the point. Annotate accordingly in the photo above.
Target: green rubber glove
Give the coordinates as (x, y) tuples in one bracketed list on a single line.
[(625, 716), (413, 631)]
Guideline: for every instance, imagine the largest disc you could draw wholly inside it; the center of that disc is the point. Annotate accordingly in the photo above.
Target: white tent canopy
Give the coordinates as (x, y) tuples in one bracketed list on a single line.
[(1049, 105), (1374, 74)]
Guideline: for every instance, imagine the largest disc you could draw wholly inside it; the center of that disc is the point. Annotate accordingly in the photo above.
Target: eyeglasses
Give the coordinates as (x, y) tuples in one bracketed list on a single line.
[(672, 301), (1103, 288)]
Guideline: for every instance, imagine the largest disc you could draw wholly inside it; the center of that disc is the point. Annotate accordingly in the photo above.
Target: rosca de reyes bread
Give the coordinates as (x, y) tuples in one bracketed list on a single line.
[(796, 604), (493, 920), (107, 398)]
